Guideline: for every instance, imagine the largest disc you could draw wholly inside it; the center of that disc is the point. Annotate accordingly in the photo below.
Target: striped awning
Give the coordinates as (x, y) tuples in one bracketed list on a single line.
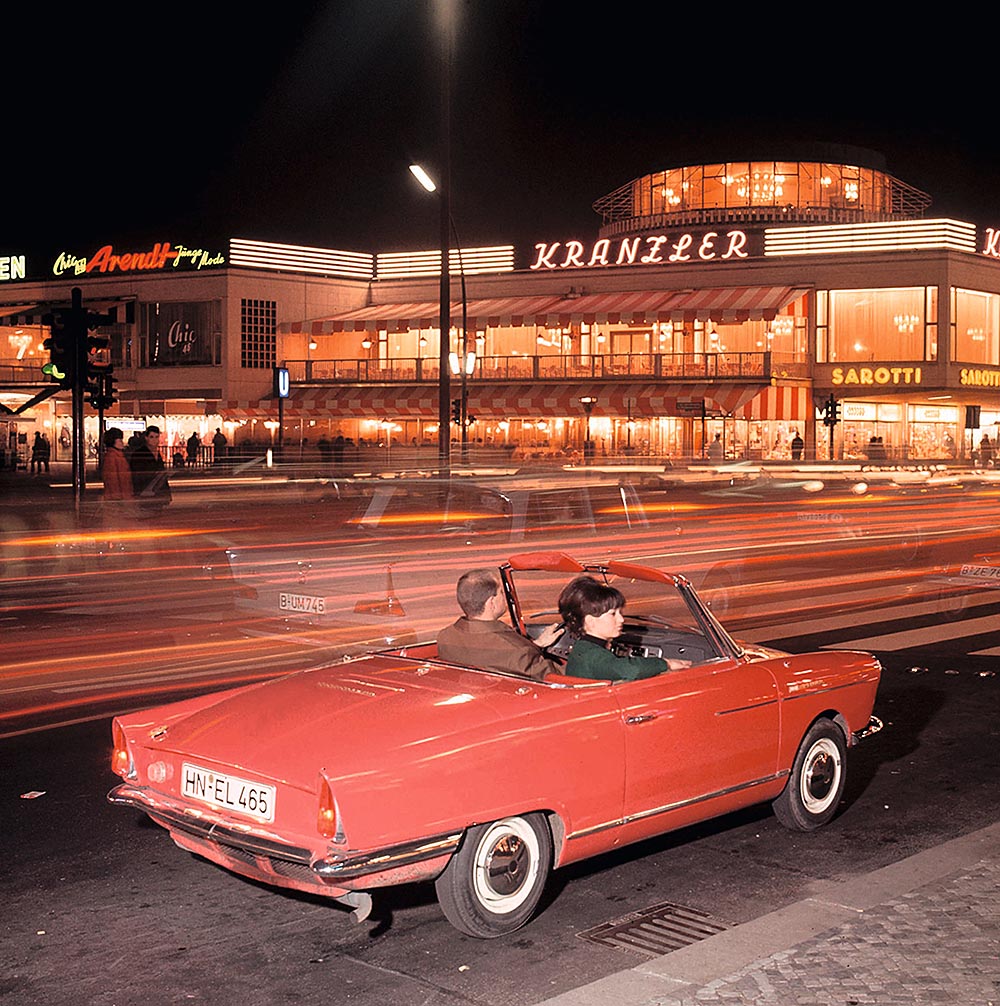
[(788, 402), (492, 312), (724, 305), (732, 305), (500, 401)]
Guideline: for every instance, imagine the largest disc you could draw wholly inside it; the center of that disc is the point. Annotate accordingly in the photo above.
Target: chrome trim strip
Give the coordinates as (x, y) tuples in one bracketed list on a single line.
[(744, 709), (676, 806), (357, 865), (822, 691)]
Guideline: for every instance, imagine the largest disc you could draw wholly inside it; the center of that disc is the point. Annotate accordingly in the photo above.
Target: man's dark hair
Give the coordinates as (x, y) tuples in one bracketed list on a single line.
[(475, 588), (585, 596)]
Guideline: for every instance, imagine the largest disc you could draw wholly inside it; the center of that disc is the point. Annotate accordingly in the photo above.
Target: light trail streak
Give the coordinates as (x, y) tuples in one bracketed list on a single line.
[(793, 558)]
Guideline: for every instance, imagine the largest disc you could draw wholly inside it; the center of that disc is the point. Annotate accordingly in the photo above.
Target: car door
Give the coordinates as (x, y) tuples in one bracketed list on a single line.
[(695, 733)]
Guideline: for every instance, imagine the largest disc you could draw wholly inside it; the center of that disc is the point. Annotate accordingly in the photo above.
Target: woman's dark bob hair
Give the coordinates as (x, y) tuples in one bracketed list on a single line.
[(585, 596)]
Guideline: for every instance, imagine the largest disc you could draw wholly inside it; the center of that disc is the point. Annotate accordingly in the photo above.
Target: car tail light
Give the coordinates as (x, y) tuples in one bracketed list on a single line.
[(328, 820), (121, 759)]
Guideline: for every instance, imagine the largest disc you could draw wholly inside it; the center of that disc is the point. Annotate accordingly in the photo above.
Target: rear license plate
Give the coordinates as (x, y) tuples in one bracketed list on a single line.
[(229, 791), (307, 604), (989, 573)]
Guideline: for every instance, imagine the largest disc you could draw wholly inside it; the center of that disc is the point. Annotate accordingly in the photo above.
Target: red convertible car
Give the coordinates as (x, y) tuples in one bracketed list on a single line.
[(397, 766)]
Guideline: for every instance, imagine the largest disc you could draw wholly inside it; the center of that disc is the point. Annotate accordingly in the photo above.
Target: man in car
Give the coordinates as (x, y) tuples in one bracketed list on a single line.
[(480, 639)]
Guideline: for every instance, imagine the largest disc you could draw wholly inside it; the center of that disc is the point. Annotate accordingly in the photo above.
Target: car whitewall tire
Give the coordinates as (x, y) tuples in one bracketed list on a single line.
[(816, 782), (492, 885)]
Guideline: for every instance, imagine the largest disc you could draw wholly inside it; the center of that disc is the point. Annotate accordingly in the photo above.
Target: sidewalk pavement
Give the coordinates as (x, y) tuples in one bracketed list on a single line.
[(924, 930)]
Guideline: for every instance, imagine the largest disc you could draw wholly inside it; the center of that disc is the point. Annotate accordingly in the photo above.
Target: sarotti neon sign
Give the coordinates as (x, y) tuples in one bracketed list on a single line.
[(656, 249), (979, 378), (162, 254), (876, 375)]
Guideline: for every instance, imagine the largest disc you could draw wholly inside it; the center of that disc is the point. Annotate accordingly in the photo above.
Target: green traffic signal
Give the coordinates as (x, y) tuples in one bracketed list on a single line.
[(52, 370)]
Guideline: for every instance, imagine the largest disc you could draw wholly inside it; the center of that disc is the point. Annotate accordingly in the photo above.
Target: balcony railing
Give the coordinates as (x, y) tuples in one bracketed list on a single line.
[(614, 366)]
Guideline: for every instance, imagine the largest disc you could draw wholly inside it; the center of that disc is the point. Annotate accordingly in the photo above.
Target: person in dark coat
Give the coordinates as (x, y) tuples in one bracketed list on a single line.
[(40, 454), (149, 473), (192, 447)]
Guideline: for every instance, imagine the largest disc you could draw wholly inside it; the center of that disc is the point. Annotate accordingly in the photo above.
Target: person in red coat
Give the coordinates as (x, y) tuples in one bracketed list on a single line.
[(116, 473)]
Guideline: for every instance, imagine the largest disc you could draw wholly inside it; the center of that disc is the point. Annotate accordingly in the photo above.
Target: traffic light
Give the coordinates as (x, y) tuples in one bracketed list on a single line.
[(98, 354), (456, 410), (831, 412), (102, 389), (61, 344)]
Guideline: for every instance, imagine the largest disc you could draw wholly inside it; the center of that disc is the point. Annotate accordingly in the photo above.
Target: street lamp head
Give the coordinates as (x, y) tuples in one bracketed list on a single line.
[(421, 176), (312, 344)]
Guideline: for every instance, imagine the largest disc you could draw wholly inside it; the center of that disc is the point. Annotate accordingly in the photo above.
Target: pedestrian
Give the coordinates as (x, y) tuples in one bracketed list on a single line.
[(39, 454), (116, 475), (149, 474), (797, 445), (986, 451), (219, 443), (193, 446), (715, 448)]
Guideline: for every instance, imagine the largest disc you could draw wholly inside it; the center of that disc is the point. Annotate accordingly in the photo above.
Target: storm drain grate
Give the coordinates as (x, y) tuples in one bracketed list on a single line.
[(656, 930)]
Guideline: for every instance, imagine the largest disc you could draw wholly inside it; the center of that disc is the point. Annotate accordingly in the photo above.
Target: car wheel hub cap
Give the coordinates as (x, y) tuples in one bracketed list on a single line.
[(506, 865), (820, 776)]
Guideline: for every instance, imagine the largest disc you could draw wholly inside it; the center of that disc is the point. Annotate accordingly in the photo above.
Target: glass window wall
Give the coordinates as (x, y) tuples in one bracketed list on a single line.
[(877, 325), (975, 327)]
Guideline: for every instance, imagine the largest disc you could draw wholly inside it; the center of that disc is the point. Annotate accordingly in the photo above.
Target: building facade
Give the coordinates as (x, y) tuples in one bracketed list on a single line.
[(716, 312)]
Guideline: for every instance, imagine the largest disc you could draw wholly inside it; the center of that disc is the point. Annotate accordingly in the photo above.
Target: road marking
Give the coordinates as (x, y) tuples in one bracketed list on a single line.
[(808, 627), (917, 637)]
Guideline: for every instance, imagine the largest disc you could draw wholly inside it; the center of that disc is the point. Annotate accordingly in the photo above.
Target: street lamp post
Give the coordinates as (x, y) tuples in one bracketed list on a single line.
[(588, 446), (451, 363)]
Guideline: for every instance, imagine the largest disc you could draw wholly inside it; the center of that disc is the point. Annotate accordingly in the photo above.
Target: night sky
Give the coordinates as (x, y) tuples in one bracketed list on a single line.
[(296, 122)]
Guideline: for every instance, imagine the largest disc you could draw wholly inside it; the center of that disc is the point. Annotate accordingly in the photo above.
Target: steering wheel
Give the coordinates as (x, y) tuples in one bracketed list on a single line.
[(561, 647)]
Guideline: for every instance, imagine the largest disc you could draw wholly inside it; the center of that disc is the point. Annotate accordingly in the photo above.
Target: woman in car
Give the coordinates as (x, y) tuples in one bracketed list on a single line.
[(592, 612)]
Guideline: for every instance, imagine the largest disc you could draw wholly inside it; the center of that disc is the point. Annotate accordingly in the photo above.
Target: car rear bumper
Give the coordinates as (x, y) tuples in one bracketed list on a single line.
[(873, 727), (416, 860)]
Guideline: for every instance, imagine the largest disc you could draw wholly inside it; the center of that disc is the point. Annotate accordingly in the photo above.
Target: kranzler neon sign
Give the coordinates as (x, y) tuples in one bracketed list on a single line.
[(655, 249), (160, 256)]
